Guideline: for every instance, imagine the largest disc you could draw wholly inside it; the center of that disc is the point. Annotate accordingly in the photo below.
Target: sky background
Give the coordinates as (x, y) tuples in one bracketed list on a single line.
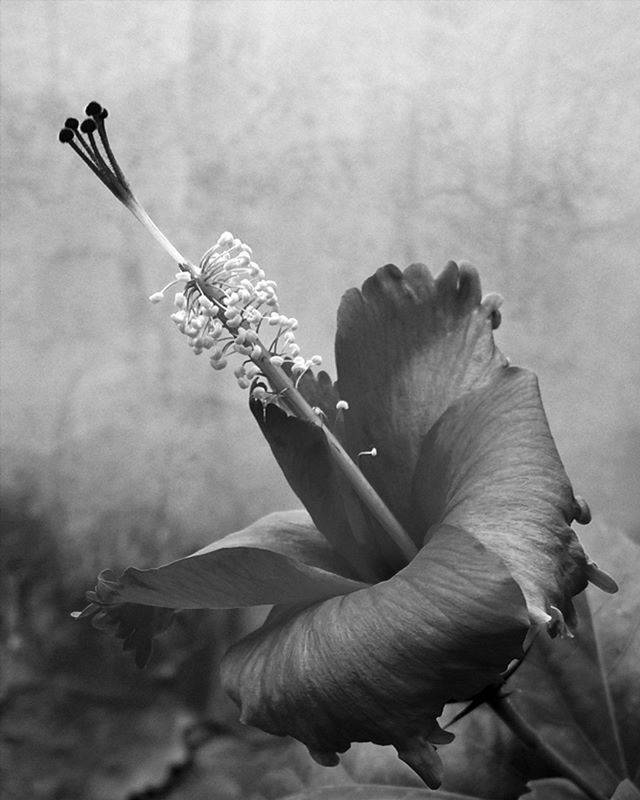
[(333, 137)]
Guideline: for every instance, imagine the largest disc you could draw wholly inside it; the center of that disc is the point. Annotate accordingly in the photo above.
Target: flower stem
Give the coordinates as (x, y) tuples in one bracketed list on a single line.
[(518, 725)]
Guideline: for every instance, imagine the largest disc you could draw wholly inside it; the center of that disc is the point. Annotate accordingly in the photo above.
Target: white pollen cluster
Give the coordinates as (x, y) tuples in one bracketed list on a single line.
[(224, 307)]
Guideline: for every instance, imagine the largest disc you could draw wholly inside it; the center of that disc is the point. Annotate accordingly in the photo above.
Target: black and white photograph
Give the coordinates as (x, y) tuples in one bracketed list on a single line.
[(320, 400)]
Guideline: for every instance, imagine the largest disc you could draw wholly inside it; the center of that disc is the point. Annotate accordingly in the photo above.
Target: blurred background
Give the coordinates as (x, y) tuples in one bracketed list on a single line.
[(333, 137)]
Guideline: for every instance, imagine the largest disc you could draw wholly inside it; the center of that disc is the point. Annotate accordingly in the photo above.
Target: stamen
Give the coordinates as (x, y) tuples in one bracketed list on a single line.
[(341, 407), (158, 297), (373, 452)]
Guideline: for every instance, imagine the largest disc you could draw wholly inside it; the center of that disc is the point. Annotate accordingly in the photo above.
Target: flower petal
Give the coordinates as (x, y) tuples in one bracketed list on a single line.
[(281, 558), (301, 450), (490, 465), (407, 347), (379, 664)]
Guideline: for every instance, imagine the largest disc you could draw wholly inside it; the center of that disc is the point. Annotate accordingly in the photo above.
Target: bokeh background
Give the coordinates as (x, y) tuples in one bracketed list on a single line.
[(333, 137)]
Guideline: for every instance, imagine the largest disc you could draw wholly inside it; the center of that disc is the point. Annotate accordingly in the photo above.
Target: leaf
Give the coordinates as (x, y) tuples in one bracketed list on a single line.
[(553, 789), (486, 758), (582, 695), (281, 558), (559, 789), (626, 791), (617, 626), (370, 763), (374, 792)]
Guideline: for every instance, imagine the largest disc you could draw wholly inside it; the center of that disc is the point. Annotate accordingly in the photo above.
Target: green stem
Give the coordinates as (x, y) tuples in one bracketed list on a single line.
[(518, 725)]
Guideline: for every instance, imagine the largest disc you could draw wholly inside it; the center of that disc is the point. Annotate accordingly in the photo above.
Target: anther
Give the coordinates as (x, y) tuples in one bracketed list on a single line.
[(342, 405), (373, 452)]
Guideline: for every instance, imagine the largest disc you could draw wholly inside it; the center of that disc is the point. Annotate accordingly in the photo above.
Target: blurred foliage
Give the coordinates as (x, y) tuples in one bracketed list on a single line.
[(75, 714)]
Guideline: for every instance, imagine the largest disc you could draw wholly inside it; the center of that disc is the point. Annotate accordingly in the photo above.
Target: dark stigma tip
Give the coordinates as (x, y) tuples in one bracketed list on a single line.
[(65, 135), (71, 122), (87, 126), (93, 109)]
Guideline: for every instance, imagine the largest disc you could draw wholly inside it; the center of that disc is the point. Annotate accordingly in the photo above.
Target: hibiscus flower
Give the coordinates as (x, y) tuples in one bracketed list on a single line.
[(437, 530)]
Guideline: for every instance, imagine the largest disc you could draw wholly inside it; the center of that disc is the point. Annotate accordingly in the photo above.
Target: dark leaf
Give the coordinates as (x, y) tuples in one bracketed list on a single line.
[(486, 758), (626, 791), (582, 695), (372, 792), (553, 789)]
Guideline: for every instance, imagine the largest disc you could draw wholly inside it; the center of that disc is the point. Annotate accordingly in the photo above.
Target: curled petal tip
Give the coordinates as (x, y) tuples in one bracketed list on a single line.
[(558, 626), (581, 510), (439, 736), (423, 760), (600, 578), (325, 758), (491, 304)]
